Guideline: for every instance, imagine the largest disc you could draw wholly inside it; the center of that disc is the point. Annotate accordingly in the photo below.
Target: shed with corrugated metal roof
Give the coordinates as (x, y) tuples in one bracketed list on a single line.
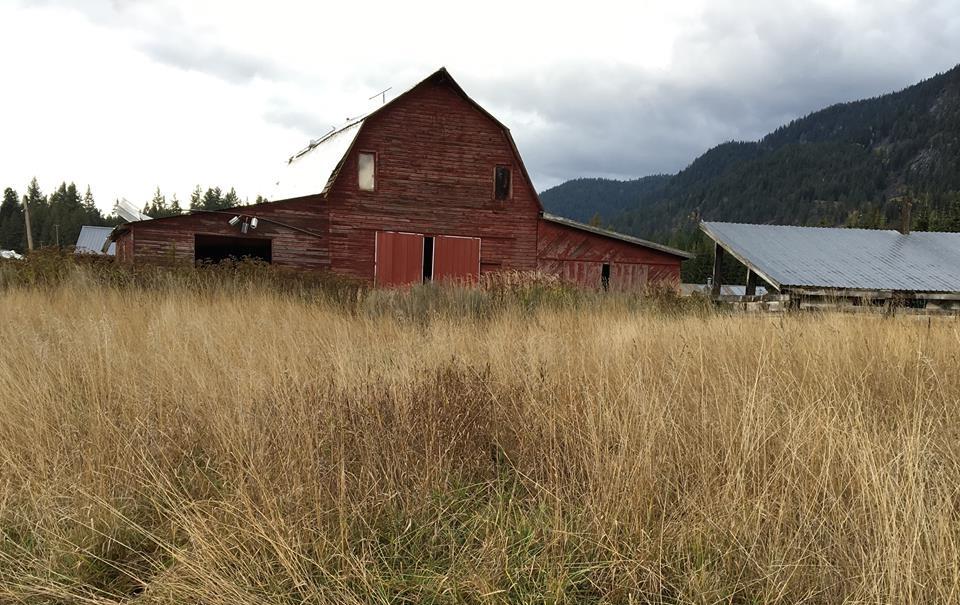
[(837, 263)]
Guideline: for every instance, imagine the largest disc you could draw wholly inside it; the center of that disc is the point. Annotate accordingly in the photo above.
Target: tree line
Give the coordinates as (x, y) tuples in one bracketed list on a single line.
[(56, 219)]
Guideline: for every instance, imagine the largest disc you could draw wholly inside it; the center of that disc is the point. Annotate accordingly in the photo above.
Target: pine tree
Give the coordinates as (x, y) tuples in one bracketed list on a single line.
[(212, 199), (64, 217), (35, 203), (157, 207), (12, 232), (231, 199), (196, 198), (94, 216), (175, 209)]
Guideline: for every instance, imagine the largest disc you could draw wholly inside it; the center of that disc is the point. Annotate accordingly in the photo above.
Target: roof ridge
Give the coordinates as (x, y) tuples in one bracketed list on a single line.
[(825, 228)]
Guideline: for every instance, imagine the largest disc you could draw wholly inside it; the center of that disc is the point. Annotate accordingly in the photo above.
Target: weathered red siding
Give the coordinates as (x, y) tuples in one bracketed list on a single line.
[(125, 247), (436, 157), (301, 241), (578, 256)]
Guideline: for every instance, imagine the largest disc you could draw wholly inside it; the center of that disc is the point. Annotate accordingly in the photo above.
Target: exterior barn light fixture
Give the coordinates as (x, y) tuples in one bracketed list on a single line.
[(245, 222)]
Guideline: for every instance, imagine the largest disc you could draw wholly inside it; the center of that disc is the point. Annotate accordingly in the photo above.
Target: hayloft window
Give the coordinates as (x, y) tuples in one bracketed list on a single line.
[(366, 170), (501, 183)]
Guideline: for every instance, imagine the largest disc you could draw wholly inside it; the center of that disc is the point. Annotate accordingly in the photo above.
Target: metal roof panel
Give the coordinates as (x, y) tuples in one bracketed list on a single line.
[(92, 239), (852, 259), (311, 171)]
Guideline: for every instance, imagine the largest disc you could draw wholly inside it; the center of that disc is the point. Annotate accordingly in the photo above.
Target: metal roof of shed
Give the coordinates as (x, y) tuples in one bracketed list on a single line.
[(92, 240), (848, 259)]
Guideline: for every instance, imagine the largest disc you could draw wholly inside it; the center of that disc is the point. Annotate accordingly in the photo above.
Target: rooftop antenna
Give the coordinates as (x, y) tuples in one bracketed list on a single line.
[(382, 94)]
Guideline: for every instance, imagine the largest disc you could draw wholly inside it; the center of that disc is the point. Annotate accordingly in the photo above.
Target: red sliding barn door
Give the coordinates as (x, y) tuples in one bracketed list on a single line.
[(456, 259), (399, 258)]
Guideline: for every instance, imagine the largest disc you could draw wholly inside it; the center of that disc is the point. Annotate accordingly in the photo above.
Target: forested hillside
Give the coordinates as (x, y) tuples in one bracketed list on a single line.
[(589, 199), (843, 166)]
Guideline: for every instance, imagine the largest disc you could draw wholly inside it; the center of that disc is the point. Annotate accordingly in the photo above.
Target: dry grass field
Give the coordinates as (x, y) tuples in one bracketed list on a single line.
[(246, 444)]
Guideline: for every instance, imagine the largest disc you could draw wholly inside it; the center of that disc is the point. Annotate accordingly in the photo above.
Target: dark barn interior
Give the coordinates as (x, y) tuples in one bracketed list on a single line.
[(216, 248)]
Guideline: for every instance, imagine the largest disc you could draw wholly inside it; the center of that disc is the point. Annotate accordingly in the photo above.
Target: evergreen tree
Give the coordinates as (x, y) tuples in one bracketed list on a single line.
[(94, 217), (12, 232), (175, 209), (157, 207), (64, 217), (213, 199), (230, 199), (196, 198), (36, 203)]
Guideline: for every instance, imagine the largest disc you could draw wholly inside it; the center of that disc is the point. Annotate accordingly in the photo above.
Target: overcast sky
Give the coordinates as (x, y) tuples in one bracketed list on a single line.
[(128, 95)]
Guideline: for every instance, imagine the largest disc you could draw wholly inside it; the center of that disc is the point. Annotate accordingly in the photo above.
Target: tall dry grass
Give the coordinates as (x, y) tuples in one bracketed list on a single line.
[(247, 445)]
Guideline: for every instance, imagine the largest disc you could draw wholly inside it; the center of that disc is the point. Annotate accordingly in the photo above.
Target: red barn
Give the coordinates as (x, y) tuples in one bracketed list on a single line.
[(429, 186)]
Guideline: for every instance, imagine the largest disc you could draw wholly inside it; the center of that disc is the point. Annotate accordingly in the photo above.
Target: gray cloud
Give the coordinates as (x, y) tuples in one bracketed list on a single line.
[(739, 69), (166, 36), (307, 122), (738, 72), (192, 54)]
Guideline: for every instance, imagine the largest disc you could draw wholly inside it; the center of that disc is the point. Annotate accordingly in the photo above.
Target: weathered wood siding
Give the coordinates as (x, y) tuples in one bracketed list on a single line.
[(578, 256), (436, 157), (125, 247), (171, 239)]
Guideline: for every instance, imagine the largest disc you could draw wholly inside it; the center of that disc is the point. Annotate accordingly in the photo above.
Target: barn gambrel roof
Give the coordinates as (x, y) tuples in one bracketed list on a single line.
[(314, 169)]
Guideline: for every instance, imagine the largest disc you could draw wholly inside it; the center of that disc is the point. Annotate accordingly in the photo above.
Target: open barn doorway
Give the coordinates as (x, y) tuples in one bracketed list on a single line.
[(216, 248)]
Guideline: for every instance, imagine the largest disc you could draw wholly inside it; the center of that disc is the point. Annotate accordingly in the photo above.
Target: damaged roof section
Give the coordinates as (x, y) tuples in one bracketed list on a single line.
[(93, 240), (314, 169)]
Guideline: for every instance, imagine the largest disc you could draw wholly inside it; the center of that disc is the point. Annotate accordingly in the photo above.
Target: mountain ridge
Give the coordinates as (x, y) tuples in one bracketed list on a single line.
[(845, 164)]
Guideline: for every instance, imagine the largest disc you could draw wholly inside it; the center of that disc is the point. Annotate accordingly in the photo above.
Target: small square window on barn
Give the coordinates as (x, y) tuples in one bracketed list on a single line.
[(501, 180), (366, 170)]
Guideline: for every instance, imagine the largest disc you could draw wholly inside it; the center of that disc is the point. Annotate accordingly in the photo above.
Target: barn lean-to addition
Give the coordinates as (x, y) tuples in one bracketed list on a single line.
[(429, 186)]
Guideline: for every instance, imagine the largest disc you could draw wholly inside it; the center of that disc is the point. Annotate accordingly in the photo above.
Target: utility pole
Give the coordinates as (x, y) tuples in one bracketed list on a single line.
[(26, 219), (56, 230)]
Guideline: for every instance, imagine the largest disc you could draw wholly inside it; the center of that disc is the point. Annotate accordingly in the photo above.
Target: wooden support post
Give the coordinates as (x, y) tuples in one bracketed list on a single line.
[(26, 220), (717, 261), (751, 289)]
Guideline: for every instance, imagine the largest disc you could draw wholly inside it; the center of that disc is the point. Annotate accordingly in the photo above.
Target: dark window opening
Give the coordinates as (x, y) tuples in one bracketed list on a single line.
[(216, 248), (605, 276), (427, 259), (502, 183)]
